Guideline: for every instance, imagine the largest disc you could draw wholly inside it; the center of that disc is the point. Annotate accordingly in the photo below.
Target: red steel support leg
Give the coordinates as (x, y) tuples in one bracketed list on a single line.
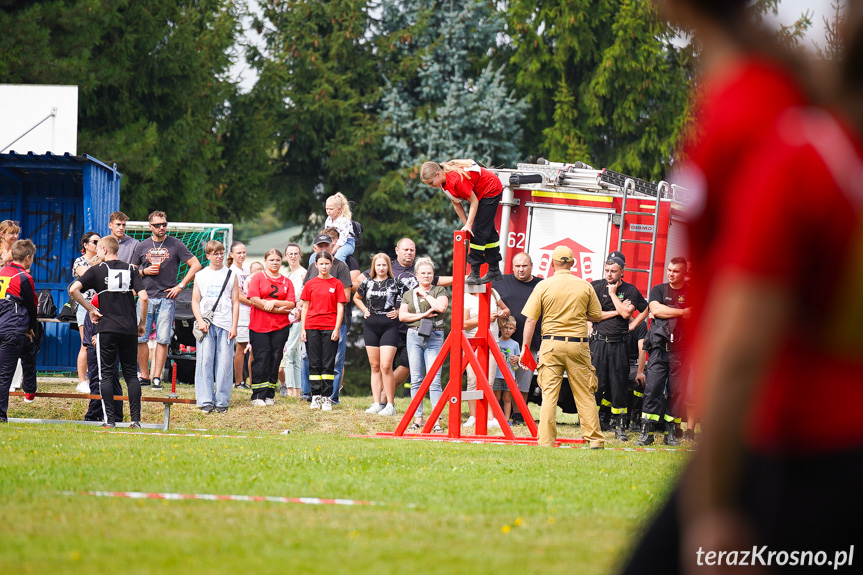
[(456, 365), (424, 387), (483, 321)]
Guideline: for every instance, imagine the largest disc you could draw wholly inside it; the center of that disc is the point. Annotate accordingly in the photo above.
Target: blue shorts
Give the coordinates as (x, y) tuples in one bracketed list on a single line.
[(160, 311)]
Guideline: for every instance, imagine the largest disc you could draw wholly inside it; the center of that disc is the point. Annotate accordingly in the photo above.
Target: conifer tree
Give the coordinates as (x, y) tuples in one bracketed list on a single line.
[(317, 74), (605, 83), (443, 99)]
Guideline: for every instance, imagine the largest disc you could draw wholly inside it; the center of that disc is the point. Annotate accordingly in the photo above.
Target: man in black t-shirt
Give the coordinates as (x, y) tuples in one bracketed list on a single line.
[(115, 283), (608, 343), (158, 260), (669, 304), (514, 290)]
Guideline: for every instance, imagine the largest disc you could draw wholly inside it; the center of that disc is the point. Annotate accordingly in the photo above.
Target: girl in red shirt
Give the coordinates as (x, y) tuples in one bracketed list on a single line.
[(466, 180), (323, 300), (272, 297)]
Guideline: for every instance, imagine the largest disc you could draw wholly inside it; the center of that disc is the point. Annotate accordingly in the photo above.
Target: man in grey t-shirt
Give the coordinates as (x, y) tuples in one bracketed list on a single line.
[(117, 225), (158, 259)]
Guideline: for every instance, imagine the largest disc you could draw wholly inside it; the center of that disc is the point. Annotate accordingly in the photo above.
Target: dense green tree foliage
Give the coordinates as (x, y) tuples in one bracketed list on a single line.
[(154, 97), (605, 83), (317, 75), (443, 98), (353, 95)]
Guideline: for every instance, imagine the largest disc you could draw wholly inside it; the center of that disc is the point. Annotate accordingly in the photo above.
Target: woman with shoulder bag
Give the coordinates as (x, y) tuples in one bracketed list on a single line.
[(87, 259), (422, 309)]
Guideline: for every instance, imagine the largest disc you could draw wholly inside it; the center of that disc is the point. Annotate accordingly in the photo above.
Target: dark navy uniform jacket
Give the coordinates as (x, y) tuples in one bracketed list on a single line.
[(17, 300)]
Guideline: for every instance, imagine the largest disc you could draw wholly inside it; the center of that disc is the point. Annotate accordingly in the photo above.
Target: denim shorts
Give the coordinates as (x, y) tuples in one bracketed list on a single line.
[(80, 315), (160, 311)]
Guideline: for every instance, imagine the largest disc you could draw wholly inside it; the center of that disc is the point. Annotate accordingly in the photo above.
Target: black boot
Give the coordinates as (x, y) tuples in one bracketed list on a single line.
[(671, 436), (604, 419), (473, 278), (646, 436), (635, 421), (620, 429), (492, 274)]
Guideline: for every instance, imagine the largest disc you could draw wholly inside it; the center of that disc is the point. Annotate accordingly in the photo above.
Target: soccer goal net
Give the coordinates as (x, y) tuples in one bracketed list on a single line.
[(194, 235)]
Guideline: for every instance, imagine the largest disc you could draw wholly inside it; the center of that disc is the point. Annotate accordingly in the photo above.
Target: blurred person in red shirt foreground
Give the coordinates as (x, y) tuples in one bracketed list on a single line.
[(776, 223)]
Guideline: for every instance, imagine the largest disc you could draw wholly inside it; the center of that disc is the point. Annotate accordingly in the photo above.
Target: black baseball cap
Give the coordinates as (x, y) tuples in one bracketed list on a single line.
[(323, 239), (616, 258)]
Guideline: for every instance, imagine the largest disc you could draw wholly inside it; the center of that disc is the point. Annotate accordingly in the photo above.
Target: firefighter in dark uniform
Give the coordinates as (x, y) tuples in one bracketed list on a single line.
[(566, 303), (666, 338), (609, 342), (637, 378)]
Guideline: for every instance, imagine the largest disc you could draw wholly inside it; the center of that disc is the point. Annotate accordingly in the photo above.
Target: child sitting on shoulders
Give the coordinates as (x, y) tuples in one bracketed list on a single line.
[(339, 217)]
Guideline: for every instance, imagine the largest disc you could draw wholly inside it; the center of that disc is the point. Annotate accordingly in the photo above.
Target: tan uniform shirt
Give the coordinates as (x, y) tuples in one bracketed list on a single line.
[(564, 302)]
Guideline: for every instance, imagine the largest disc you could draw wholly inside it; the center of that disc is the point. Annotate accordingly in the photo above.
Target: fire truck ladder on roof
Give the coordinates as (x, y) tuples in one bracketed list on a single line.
[(630, 185)]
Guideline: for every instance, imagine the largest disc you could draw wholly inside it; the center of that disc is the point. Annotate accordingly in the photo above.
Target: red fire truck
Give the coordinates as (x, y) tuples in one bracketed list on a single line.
[(594, 212)]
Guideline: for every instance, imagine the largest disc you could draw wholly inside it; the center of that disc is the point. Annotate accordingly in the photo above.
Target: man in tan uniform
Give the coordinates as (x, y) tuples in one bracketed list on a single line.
[(566, 303)]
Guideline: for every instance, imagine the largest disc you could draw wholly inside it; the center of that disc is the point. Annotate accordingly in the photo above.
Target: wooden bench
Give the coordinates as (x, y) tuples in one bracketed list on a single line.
[(167, 401)]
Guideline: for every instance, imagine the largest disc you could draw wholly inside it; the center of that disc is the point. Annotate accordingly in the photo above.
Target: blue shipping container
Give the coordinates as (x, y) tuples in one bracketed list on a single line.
[(57, 199)]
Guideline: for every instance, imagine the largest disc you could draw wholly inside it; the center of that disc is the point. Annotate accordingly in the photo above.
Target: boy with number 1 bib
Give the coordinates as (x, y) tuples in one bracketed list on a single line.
[(115, 283)]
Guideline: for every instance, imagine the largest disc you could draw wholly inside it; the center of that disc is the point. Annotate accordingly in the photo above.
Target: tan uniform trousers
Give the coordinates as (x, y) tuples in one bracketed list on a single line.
[(555, 357)]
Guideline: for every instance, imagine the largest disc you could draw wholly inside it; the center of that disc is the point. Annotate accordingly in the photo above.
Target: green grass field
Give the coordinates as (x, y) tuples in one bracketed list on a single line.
[(443, 507)]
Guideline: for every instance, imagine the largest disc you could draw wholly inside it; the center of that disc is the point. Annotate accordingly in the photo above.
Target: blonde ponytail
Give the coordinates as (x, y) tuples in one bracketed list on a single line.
[(343, 202), (431, 169)]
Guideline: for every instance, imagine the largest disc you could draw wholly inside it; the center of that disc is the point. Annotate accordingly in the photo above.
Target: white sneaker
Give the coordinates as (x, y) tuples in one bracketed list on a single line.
[(83, 387), (471, 422), (316, 402), (388, 411), (258, 403), (327, 404), (374, 408), (270, 401), (493, 423)]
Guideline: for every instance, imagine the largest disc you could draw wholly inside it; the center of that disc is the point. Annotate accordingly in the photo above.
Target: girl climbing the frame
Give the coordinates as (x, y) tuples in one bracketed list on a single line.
[(466, 180)]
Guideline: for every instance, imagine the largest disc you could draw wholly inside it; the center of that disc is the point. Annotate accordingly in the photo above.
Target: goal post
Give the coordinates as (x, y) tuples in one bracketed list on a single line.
[(194, 235)]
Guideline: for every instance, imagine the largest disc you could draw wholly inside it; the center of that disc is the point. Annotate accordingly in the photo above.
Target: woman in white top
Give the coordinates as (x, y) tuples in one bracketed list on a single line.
[(215, 291), (235, 261), (82, 264), (290, 370), (9, 231)]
